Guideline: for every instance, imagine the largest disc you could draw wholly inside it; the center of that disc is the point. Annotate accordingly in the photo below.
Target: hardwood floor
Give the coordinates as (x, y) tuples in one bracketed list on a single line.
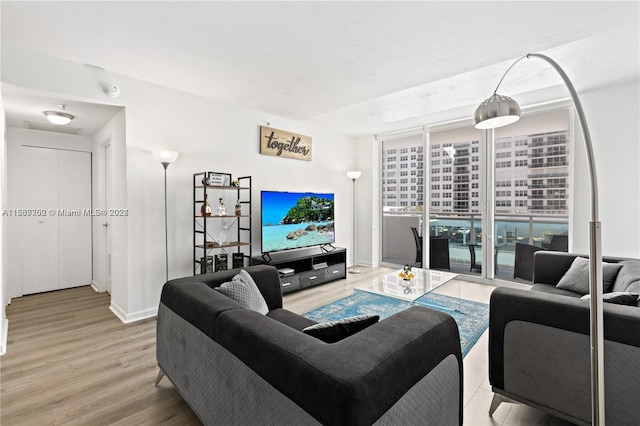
[(70, 361)]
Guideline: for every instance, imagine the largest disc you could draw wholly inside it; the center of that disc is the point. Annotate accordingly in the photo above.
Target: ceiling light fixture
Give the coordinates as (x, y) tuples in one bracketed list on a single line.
[(57, 117)]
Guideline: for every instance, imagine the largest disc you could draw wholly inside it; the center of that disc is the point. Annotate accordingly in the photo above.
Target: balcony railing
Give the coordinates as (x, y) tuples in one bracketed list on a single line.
[(463, 229)]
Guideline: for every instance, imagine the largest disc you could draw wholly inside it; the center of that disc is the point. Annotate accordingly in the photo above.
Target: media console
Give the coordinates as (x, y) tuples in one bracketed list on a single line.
[(307, 267)]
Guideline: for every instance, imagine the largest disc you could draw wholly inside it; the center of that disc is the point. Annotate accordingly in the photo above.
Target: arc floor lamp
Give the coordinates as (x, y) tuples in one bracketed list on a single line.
[(165, 158), (498, 111), (354, 175)]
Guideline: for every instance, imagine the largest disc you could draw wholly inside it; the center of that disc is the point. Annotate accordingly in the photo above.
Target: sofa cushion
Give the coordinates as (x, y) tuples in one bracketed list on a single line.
[(628, 278), (244, 290), (618, 297), (334, 331), (576, 279)]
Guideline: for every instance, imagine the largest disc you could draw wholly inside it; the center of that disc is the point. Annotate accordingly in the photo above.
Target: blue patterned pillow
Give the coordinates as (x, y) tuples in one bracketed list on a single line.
[(334, 331), (576, 279), (244, 290)]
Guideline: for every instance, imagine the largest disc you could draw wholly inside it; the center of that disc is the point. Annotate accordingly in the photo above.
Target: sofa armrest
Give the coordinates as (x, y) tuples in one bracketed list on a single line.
[(560, 312), (355, 380)]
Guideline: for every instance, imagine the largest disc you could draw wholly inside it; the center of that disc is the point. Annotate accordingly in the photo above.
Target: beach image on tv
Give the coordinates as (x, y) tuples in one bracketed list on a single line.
[(295, 220)]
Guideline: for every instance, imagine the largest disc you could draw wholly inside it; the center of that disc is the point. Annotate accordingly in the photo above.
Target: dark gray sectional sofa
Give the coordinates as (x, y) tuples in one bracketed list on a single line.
[(539, 348), (235, 366)]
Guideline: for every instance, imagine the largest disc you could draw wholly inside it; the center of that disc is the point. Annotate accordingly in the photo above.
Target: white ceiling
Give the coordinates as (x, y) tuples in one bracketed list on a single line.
[(357, 67)]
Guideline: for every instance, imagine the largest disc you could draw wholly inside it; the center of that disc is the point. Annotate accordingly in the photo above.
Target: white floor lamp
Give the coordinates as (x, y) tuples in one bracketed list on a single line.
[(165, 158), (498, 111), (354, 175)]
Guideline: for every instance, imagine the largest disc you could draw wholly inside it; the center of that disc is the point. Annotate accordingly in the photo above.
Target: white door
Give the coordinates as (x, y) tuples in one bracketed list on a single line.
[(74, 195), (56, 244), (40, 263)]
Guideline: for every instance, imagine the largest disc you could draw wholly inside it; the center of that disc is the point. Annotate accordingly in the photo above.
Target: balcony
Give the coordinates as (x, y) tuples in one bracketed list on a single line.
[(398, 245)]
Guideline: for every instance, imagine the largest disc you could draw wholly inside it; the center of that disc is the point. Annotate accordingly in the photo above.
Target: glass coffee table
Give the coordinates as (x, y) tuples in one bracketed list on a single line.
[(417, 289)]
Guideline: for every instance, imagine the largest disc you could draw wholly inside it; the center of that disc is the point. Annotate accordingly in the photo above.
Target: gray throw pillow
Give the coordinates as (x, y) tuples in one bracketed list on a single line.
[(618, 297), (333, 331), (244, 290), (577, 277)]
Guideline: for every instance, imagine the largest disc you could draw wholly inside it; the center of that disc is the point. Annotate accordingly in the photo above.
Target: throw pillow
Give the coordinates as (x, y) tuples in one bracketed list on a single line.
[(577, 277), (334, 331), (244, 290), (618, 297)]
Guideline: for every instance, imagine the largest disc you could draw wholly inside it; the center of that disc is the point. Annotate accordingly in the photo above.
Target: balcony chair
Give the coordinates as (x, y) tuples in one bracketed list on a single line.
[(438, 251), (418, 240), (475, 264), (523, 264)]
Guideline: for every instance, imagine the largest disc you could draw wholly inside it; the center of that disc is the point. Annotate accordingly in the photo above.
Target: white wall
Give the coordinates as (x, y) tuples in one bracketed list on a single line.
[(113, 133), (4, 324), (612, 115), (368, 200), (209, 137)]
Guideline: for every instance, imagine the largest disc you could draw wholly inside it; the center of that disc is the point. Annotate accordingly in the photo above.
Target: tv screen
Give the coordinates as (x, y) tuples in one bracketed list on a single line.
[(292, 220)]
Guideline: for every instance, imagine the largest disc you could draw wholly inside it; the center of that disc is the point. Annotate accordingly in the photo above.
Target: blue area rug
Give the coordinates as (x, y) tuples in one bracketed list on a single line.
[(472, 320)]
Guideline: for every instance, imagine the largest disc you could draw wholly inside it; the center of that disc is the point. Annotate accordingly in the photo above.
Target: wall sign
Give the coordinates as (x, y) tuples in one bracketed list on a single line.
[(284, 144)]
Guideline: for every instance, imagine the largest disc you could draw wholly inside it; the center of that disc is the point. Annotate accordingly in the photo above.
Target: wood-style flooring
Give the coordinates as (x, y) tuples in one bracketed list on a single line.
[(70, 361)]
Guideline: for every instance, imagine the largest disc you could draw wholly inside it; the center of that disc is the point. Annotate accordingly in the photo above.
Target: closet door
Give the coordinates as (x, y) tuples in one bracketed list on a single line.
[(74, 195), (56, 246), (40, 270)]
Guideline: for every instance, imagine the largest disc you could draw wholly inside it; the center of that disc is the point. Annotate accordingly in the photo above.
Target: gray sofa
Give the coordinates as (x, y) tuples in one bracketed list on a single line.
[(539, 349), (235, 366)]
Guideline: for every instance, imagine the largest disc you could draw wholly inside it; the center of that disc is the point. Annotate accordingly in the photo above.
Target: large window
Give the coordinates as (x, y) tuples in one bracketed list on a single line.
[(402, 204), (529, 191)]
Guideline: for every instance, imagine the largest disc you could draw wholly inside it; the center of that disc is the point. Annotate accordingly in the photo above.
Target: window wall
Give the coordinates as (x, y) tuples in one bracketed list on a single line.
[(402, 198), (438, 183)]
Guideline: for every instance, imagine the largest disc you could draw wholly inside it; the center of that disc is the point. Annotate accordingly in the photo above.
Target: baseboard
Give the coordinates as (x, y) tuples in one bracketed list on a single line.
[(133, 317), (3, 336), (95, 287)]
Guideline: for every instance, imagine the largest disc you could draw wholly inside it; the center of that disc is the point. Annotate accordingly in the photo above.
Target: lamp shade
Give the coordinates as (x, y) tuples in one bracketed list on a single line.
[(354, 174), (57, 117), (497, 111), (165, 156)]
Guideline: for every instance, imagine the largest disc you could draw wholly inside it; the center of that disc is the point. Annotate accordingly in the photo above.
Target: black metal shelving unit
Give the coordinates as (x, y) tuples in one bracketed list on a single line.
[(206, 245)]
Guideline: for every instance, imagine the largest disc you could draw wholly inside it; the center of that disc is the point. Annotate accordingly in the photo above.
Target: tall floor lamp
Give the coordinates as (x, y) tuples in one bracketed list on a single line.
[(501, 110), (165, 158), (354, 175)]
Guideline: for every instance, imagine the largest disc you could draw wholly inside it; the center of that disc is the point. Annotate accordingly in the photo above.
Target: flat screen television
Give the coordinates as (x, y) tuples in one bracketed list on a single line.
[(292, 220)]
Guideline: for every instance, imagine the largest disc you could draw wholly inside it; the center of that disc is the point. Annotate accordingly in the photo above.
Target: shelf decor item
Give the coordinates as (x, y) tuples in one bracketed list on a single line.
[(238, 208), (221, 210), (221, 262), (205, 209), (206, 264), (224, 233), (498, 111), (237, 260)]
